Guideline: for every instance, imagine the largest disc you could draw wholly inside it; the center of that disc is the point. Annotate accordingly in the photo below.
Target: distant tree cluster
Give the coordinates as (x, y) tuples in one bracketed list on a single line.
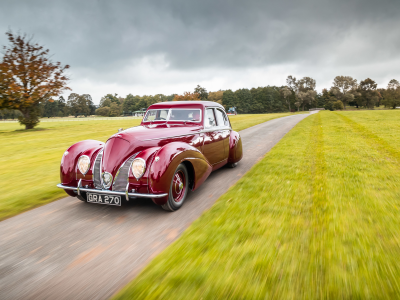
[(30, 84), (391, 96), (110, 106), (136, 103)]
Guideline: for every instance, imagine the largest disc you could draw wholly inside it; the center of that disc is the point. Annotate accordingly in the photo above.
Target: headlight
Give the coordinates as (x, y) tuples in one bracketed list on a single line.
[(84, 164), (138, 167)]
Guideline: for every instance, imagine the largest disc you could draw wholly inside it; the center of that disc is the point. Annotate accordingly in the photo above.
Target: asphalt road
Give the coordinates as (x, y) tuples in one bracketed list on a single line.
[(69, 249)]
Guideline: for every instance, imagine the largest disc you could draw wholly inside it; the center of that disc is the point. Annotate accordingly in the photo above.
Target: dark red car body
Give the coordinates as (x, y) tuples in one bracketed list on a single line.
[(163, 145)]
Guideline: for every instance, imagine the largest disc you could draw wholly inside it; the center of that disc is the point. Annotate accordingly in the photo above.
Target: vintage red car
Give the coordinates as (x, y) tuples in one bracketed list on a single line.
[(175, 148)]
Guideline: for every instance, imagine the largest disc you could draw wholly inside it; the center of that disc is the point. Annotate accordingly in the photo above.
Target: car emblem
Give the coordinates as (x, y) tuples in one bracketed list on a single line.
[(107, 179)]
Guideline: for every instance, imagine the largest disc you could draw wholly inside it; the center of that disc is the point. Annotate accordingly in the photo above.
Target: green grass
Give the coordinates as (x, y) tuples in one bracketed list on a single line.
[(30, 160), (317, 218)]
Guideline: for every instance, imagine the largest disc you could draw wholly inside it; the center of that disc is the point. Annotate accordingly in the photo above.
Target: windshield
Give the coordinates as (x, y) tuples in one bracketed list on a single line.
[(184, 115), (156, 115)]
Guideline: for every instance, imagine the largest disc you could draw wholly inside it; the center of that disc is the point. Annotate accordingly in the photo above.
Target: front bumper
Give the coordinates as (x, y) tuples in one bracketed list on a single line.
[(80, 189)]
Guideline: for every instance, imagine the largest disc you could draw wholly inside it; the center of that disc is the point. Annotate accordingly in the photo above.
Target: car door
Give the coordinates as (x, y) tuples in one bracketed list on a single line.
[(213, 147), (224, 129)]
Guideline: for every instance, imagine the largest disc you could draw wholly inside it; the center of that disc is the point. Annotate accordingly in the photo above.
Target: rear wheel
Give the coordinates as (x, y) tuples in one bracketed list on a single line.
[(178, 189), (232, 165)]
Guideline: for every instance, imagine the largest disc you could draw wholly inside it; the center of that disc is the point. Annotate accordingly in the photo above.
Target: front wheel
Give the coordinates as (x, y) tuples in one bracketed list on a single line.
[(178, 189)]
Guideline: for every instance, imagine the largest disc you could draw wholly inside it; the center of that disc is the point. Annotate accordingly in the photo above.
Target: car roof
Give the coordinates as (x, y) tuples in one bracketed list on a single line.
[(185, 104)]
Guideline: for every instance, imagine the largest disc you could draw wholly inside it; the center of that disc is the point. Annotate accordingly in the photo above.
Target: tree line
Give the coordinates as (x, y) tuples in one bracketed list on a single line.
[(31, 86)]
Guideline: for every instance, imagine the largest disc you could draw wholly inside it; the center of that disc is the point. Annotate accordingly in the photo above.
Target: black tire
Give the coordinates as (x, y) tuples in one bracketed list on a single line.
[(232, 165), (177, 192), (82, 197)]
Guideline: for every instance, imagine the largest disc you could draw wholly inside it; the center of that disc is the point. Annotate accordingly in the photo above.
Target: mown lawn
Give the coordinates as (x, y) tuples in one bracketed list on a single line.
[(317, 218), (30, 160)]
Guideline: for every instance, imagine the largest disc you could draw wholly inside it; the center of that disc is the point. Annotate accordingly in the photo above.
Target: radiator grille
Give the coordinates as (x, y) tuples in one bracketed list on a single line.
[(96, 171), (121, 178)]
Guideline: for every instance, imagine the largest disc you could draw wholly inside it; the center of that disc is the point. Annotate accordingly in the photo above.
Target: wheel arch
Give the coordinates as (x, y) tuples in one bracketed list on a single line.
[(169, 158), (68, 166), (191, 173)]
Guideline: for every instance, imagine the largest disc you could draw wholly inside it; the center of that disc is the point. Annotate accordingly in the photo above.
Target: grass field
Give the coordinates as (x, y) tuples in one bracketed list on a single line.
[(30, 160), (317, 218)]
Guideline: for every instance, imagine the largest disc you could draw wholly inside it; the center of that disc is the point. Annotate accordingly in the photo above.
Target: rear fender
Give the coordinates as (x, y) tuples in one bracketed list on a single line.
[(69, 174), (235, 147), (167, 160)]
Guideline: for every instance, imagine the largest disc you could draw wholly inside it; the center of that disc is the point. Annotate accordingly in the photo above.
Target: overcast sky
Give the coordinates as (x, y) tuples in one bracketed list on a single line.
[(150, 47)]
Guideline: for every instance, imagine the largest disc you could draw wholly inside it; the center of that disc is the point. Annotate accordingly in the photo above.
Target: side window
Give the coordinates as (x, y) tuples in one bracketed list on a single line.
[(222, 119), (209, 120)]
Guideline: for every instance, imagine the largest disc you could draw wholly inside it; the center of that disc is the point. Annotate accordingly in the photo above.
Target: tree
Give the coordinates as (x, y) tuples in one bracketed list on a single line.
[(244, 100), (344, 88), (306, 85), (291, 83), (286, 92), (79, 104), (203, 95), (304, 90), (338, 105), (368, 95), (391, 96), (29, 78), (115, 110), (216, 96), (108, 99), (187, 96), (103, 111), (130, 103), (50, 108), (228, 99)]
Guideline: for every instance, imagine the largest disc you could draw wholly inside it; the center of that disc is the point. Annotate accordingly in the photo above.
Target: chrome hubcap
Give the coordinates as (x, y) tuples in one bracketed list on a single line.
[(178, 186)]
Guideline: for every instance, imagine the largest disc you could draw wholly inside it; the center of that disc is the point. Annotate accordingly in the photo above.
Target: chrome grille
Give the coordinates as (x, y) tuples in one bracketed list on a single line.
[(96, 171), (121, 178)]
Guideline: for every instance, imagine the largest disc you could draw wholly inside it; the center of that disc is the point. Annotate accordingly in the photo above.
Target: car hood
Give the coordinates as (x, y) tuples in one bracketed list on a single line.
[(156, 131), (120, 146)]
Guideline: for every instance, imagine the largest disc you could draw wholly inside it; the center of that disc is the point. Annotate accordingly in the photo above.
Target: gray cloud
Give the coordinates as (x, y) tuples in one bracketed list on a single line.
[(177, 43)]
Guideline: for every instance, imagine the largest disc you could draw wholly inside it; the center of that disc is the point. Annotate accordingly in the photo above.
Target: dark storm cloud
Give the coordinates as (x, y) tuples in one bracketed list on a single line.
[(106, 36)]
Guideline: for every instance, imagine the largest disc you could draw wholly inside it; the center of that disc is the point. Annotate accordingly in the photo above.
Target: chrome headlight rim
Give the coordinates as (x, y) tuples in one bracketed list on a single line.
[(88, 164), (138, 176)]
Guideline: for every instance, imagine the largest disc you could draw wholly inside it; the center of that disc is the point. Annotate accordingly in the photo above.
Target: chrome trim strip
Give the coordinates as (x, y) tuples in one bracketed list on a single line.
[(111, 192), (101, 170), (93, 169), (78, 189), (216, 128), (123, 164), (126, 192)]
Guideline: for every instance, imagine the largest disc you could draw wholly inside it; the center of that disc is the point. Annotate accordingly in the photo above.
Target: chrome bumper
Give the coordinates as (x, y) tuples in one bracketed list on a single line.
[(80, 189)]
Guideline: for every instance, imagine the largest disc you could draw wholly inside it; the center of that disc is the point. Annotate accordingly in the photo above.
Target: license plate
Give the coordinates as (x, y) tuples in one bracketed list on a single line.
[(104, 199)]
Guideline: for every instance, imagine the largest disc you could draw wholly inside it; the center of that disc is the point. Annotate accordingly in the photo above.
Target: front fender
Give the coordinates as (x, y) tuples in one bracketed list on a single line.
[(169, 157), (68, 168)]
